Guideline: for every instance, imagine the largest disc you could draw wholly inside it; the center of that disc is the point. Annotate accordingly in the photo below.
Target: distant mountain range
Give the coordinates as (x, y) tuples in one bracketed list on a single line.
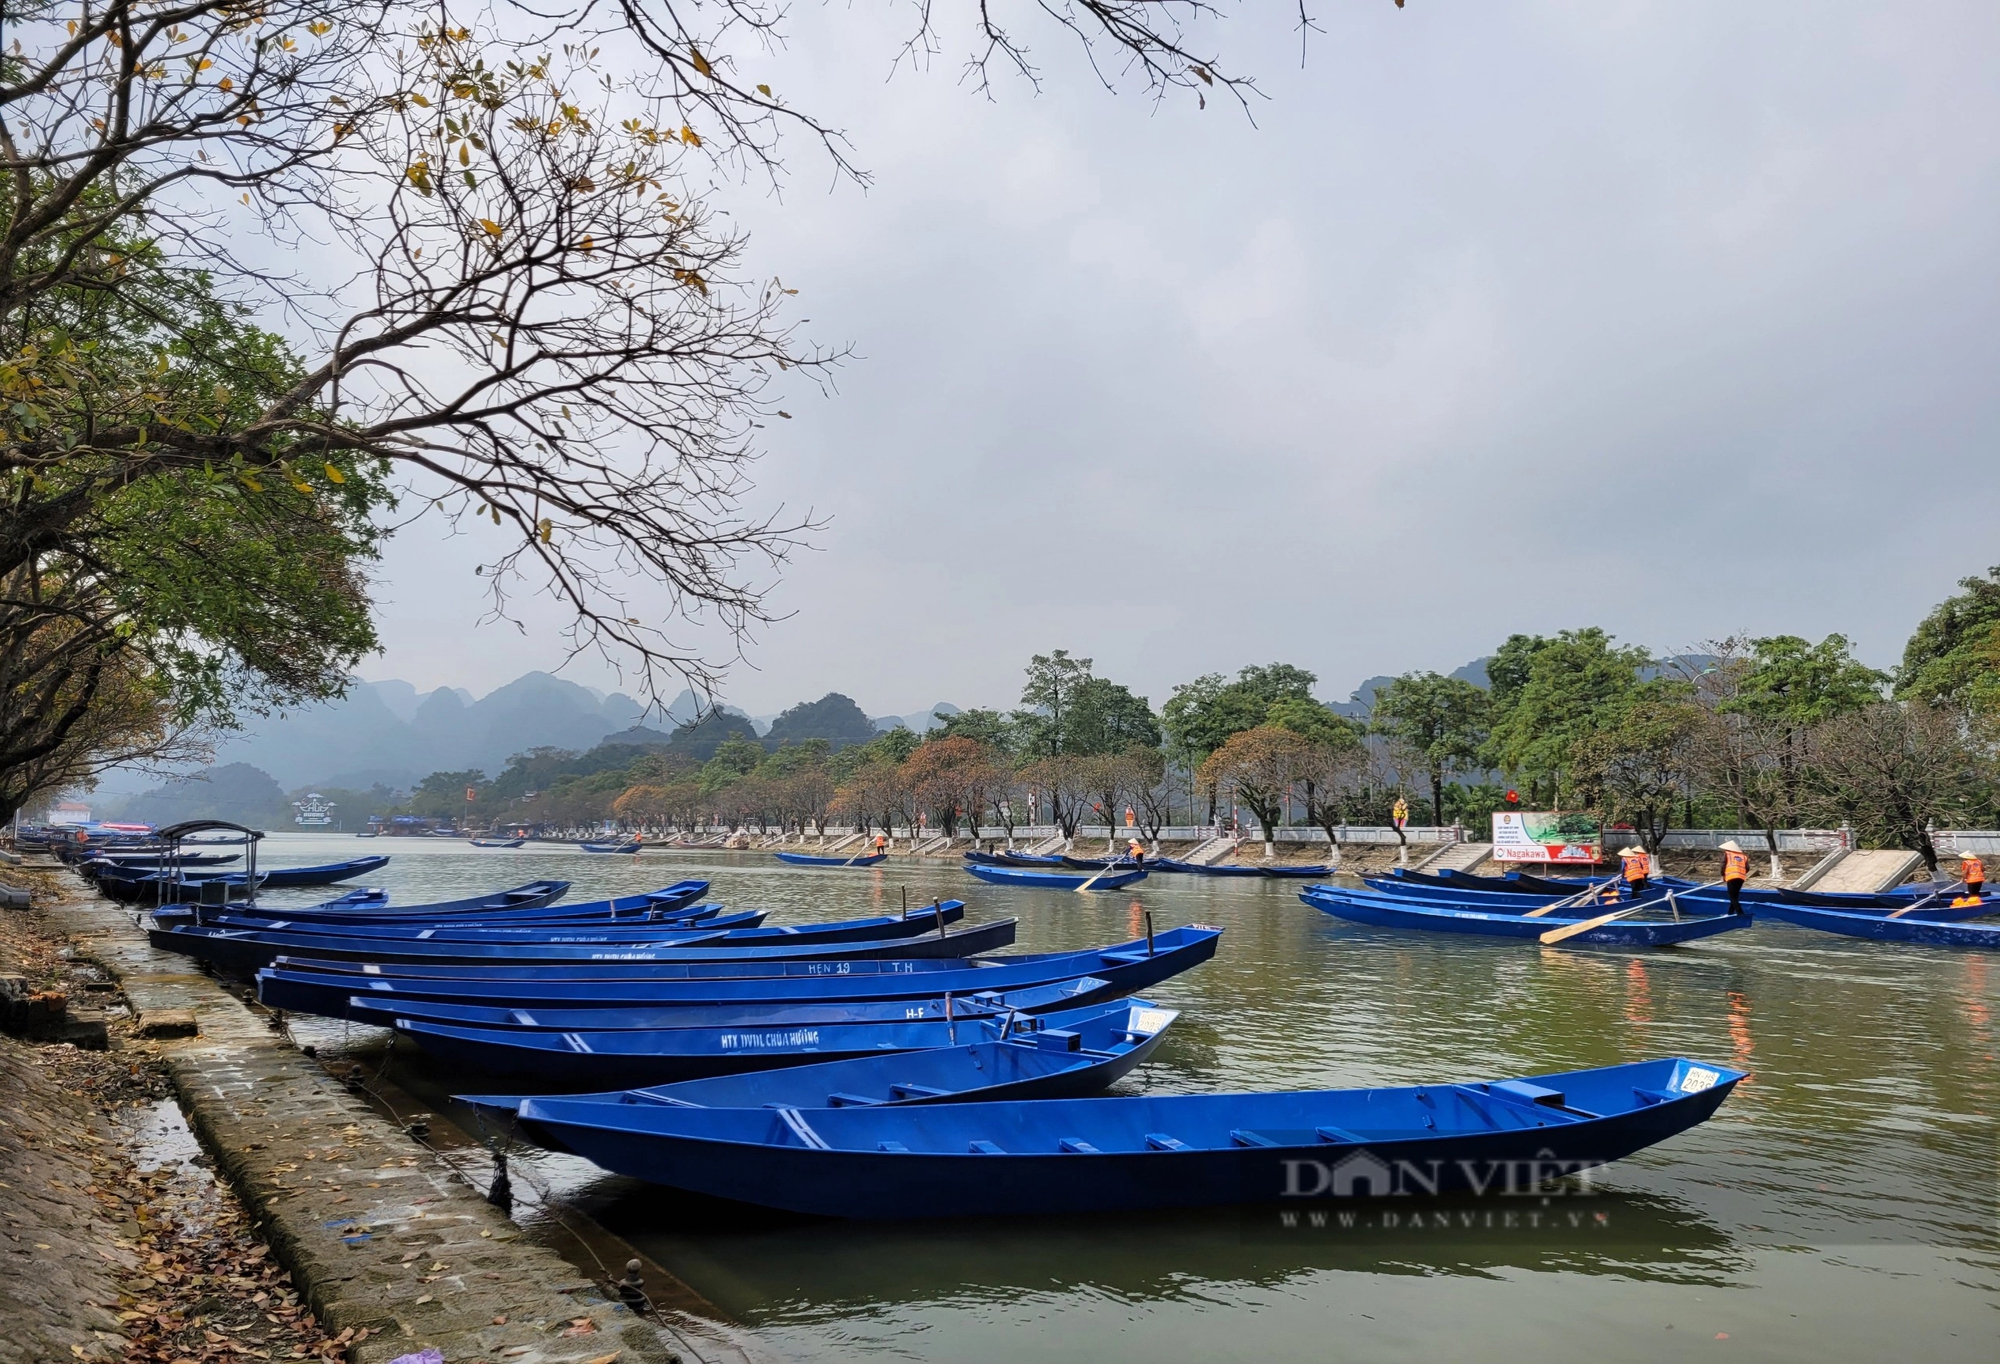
[(391, 734)]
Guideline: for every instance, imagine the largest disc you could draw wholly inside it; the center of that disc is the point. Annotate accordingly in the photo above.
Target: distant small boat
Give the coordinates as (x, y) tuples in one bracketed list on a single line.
[(631, 847), (1054, 880), (326, 874), (498, 842), (1197, 869), (858, 860)]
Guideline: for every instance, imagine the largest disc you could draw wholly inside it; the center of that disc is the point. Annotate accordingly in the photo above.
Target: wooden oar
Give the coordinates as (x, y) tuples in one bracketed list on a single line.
[(1556, 935), (1109, 865), (1588, 892), (1918, 905)]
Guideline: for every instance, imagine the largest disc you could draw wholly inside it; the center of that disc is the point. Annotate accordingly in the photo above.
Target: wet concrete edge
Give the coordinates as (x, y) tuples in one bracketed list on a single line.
[(390, 1223)]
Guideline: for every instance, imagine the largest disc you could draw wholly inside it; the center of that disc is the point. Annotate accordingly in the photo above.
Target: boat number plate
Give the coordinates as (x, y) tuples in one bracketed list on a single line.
[(1697, 1079)]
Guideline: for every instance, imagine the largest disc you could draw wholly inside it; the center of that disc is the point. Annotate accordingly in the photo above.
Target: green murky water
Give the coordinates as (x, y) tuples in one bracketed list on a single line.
[(1842, 1205)]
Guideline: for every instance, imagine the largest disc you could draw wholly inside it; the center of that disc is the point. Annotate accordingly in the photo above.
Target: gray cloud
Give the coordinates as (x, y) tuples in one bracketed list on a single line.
[(1675, 318)]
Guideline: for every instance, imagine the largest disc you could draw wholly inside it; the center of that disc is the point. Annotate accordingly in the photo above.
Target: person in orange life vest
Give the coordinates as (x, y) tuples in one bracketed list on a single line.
[(1973, 872), (1135, 852), (881, 843), (1635, 866), (1735, 871)]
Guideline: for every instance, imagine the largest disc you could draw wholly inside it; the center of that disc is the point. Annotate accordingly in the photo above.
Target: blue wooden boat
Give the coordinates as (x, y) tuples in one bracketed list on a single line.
[(1122, 969), (245, 952), (1281, 872), (132, 862), (501, 930), (626, 1058), (163, 888), (1882, 928), (327, 874), (1493, 902), (1197, 869), (373, 905), (1052, 1056), (1095, 863), (730, 929), (1054, 880), (498, 842), (631, 847), (1701, 899), (1036, 1000), (1389, 911), (1929, 895), (1012, 859), (551, 919), (1305, 1149), (806, 860)]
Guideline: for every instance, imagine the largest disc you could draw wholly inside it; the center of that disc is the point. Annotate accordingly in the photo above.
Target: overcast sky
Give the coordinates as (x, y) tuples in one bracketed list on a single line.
[(1677, 318)]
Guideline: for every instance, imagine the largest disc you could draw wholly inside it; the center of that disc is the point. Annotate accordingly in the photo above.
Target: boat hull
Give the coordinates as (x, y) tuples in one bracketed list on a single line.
[(232, 950), (1881, 928), (1381, 912), (1053, 880), (807, 860), (1054, 1056), (1123, 969), (1101, 1155)]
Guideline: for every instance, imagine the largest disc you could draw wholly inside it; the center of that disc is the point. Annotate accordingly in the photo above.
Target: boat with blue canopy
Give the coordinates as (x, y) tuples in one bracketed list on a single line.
[(808, 860), (1389, 911), (1304, 1149), (1122, 969), (1050, 1056), (1054, 880)]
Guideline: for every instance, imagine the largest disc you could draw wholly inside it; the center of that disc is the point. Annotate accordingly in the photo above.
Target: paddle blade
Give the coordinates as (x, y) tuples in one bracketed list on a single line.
[(1556, 935)]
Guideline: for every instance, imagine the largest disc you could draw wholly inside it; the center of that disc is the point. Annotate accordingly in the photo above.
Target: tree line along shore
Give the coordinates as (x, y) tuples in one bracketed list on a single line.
[(1769, 732)]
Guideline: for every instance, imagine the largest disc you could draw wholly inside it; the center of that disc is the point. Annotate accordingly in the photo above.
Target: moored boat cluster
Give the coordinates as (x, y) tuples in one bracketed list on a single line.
[(890, 1066)]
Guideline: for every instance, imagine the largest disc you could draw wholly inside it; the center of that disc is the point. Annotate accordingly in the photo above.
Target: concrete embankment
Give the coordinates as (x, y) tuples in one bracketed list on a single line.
[(390, 1249)]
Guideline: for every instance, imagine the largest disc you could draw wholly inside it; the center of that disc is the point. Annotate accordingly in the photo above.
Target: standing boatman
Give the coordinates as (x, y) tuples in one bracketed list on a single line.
[(1735, 871), (1635, 864), (1135, 852), (1973, 872)]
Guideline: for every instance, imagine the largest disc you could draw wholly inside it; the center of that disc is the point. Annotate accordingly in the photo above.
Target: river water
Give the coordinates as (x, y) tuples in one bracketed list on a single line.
[(1843, 1204)]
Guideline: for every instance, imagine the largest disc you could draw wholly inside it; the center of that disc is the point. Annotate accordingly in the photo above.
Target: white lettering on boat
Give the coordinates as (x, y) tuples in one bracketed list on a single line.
[(754, 1041)]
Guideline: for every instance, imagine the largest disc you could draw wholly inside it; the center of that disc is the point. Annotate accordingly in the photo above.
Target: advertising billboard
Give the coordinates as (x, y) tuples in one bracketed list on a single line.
[(1542, 836)]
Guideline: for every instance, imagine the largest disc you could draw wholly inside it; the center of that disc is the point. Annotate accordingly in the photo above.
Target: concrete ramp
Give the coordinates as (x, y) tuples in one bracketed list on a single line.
[(1868, 873), (1456, 857), (1211, 852)]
